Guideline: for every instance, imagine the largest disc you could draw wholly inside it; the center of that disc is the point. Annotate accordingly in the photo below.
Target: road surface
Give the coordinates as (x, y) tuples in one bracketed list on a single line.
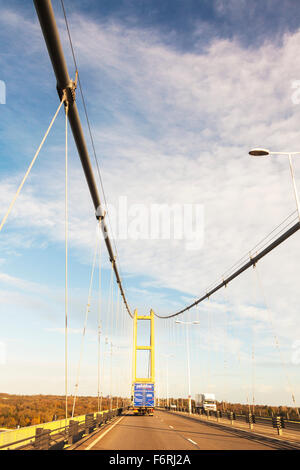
[(166, 431)]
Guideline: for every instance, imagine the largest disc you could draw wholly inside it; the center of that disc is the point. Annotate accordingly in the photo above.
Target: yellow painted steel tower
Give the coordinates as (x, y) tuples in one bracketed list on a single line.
[(137, 347), (150, 348)]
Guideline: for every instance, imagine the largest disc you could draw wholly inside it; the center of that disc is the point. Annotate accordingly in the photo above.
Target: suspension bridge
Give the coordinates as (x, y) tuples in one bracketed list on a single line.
[(177, 423)]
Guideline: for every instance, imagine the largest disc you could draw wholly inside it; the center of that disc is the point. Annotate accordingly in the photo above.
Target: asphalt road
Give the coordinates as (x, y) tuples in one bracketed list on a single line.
[(166, 431)]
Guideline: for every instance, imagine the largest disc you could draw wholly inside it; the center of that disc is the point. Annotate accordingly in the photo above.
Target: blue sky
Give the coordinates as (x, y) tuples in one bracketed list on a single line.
[(251, 23), (177, 93)]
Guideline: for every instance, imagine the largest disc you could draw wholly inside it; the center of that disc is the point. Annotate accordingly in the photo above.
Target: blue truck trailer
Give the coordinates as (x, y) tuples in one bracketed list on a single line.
[(143, 398)]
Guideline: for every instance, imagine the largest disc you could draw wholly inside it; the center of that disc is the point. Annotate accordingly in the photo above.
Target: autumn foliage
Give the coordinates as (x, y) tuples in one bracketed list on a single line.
[(26, 410), (242, 408)]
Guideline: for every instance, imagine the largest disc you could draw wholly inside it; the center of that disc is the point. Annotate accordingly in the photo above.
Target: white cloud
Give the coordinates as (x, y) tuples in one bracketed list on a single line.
[(21, 283)]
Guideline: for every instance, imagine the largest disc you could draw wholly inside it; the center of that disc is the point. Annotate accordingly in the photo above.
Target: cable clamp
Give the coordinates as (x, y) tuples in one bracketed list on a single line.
[(253, 264), (69, 91)]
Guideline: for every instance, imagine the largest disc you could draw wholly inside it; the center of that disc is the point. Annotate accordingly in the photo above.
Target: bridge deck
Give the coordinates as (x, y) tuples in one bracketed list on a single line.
[(167, 431)]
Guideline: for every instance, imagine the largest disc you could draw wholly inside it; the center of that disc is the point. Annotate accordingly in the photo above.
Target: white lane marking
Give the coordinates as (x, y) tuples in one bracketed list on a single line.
[(193, 442), (102, 435), (171, 427)]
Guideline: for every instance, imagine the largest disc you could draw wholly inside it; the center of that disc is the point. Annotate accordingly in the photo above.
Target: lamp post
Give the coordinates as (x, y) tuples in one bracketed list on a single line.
[(157, 383), (167, 356), (187, 323), (260, 152), (157, 387), (111, 351)]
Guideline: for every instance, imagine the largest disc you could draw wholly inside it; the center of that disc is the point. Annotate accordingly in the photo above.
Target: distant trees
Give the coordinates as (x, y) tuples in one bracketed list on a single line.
[(259, 410), (243, 408), (27, 410)]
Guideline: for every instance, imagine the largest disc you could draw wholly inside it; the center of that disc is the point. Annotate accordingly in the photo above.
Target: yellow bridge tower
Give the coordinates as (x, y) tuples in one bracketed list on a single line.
[(150, 379)]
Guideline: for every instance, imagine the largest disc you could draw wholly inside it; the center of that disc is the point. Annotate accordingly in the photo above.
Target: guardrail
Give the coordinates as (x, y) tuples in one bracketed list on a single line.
[(277, 422), (55, 434)]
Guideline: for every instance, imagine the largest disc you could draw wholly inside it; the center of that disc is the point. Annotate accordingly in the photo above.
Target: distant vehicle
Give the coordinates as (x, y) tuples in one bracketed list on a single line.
[(206, 401), (143, 398)]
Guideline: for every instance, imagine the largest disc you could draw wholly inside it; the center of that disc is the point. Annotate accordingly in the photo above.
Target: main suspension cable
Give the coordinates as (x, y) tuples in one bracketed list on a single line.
[(252, 260), (91, 136)]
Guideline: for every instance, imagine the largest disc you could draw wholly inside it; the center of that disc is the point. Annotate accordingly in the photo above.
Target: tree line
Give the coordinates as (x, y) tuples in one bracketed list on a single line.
[(242, 408), (26, 410)]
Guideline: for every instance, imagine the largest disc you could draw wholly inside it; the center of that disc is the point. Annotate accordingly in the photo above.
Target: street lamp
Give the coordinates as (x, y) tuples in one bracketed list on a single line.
[(167, 356), (260, 152), (187, 323), (111, 351)]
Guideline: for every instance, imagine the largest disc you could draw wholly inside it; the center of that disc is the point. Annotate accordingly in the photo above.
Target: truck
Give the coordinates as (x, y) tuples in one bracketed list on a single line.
[(143, 398), (206, 401)]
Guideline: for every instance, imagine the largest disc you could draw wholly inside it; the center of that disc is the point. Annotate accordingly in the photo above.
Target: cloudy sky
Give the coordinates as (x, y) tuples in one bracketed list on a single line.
[(177, 93)]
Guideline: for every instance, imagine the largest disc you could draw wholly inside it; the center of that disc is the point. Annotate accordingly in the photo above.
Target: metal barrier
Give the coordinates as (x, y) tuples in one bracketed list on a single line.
[(42, 439), (99, 420), (231, 416), (56, 434), (74, 434), (250, 419), (278, 422), (89, 423)]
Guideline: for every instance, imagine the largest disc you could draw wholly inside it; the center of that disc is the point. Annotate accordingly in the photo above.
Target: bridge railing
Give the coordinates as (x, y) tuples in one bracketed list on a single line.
[(56, 434), (277, 422)]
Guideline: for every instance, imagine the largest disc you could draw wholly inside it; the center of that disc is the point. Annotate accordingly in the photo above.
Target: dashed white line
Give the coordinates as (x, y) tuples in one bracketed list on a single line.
[(193, 442)]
